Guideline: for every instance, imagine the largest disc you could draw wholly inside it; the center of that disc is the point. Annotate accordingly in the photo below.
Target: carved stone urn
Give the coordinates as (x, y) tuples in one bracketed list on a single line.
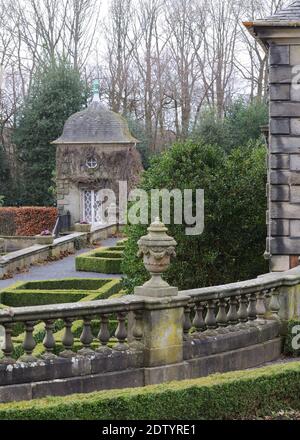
[(156, 248)]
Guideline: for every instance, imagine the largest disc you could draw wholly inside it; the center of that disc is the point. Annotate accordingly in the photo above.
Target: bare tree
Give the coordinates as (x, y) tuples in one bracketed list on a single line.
[(252, 65), (79, 32)]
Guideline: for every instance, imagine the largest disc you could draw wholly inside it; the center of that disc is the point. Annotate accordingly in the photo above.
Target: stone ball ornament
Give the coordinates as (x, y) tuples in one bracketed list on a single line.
[(156, 248)]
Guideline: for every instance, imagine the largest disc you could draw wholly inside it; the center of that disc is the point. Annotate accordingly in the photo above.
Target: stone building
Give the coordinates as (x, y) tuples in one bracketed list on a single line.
[(96, 151), (280, 37)]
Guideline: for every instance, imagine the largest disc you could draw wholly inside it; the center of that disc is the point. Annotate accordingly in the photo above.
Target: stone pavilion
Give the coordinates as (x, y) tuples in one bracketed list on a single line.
[(95, 151)]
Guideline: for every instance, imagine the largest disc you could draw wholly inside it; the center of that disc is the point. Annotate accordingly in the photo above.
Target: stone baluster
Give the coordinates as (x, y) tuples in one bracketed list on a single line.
[(8, 347), (137, 331), (28, 343), (68, 339), (121, 332), (86, 337), (268, 297), (187, 323), (242, 312), (232, 315), (252, 310), (104, 335), (198, 321), (275, 304), (210, 319), (222, 317), (49, 341), (261, 308)]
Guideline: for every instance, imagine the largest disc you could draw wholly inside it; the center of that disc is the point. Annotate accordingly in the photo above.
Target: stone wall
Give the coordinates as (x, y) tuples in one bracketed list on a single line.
[(284, 158), (128, 368), (35, 254)]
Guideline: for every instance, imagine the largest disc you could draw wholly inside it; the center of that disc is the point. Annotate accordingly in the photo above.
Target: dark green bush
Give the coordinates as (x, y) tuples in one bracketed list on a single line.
[(235, 395), (241, 124), (233, 242)]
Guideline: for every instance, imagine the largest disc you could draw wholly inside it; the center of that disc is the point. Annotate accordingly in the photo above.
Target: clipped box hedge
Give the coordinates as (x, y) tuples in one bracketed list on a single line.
[(102, 260), (234, 395), (34, 293)]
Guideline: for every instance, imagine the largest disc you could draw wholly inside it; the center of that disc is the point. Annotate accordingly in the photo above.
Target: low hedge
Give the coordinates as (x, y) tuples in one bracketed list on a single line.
[(102, 260), (234, 395), (34, 293), (66, 284), (122, 243), (22, 298)]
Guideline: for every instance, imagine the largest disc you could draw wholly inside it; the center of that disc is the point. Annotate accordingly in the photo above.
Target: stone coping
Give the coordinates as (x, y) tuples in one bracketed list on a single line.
[(16, 255), (17, 237), (35, 249), (126, 303)]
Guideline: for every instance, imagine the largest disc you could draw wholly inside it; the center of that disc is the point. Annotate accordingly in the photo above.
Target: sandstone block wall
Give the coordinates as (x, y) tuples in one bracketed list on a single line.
[(283, 217)]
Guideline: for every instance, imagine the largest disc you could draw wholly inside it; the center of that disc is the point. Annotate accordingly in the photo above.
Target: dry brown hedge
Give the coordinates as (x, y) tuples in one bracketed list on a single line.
[(27, 221)]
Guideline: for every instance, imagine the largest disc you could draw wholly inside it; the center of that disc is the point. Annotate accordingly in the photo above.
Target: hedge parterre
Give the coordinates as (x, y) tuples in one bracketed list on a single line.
[(33, 293)]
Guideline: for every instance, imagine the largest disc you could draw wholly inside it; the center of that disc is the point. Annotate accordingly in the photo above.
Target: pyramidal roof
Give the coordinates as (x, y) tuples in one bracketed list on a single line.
[(96, 125), (290, 13)]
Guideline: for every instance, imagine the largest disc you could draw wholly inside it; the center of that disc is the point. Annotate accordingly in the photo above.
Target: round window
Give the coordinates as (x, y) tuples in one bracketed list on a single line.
[(91, 162)]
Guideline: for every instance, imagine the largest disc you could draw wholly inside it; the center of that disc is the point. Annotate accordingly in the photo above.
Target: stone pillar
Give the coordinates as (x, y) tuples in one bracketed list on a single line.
[(280, 37), (163, 313)]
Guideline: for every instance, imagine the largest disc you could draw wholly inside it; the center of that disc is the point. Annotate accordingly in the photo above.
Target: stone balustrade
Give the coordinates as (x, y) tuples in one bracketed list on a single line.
[(68, 313), (223, 309), (161, 334)]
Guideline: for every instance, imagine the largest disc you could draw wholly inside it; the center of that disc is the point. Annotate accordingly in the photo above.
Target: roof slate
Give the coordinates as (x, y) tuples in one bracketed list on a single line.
[(96, 125), (290, 13)]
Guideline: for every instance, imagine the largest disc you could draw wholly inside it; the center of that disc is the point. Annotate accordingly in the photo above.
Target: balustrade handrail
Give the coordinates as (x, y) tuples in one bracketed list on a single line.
[(264, 282), (71, 310)]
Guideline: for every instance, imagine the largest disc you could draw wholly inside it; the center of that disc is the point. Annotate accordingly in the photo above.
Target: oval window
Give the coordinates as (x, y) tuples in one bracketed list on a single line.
[(91, 163)]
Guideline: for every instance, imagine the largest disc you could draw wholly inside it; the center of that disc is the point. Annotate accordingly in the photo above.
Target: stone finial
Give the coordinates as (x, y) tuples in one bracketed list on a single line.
[(156, 248)]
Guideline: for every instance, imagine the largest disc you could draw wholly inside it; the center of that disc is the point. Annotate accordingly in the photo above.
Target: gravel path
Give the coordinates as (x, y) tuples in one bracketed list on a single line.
[(59, 269)]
